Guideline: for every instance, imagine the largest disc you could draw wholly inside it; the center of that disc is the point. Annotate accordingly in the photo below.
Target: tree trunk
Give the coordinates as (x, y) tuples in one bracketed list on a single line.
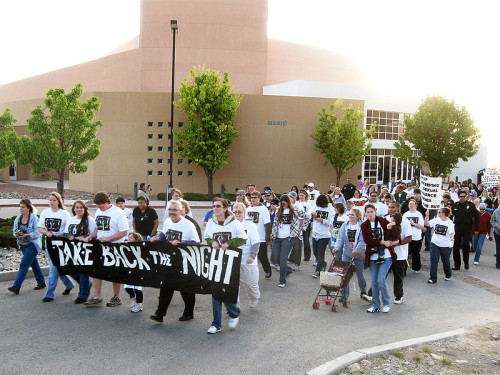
[(210, 179), (339, 175), (60, 185)]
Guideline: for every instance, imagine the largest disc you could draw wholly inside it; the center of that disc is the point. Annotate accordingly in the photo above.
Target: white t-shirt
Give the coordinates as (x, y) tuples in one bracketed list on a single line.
[(322, 229), (260, 217), (253, 238), (130, 219), (442, 232), (381, 208), (54, 222), (110, 222), (182, 231), (378, 234), (226, 232), (406, 231), (341, 219), (313, 195), (417, 218), (285, 225), (74, 229)]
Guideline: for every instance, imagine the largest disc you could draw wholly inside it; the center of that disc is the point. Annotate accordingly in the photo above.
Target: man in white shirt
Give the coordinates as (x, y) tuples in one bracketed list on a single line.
[(120, 202), (381, 207), (313, 192), (112, 226)]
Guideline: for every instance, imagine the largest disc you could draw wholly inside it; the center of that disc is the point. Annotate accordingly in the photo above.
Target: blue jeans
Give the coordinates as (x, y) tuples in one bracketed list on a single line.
[(477, 243), (53, 276), (233, 309), (379, 285), (29, 260), (281, 250), (85, 285), (443, 253), (360, 267), (319, 247)]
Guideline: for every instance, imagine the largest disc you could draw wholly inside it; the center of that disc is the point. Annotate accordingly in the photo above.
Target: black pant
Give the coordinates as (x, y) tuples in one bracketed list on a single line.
[(414, 248), (306, 234), (166, 294), (263, 257), (398, 269), (464, 235)]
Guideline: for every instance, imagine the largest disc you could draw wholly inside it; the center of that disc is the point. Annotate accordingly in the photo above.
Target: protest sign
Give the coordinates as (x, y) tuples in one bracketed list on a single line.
[(189, 268), (490, 178), (431, 192)]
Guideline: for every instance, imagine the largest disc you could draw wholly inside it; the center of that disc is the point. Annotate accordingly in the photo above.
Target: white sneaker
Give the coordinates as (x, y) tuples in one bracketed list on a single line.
[(366, 297), (137, 308), (386, 309), (476, 263), (254, 303), (233, 322), (447, 278), (296, 268), (415, 271), (132, 302), (315, 263), (316, 275), (281, 285), (213, 330), (398, 301)]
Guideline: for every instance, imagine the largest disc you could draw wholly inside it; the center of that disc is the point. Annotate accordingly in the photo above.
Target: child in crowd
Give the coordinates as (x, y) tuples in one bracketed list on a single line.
[(392, 233), (135, 292)]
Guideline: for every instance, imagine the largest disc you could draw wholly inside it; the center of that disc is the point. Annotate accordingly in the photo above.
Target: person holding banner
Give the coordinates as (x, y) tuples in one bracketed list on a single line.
[(52, 223), (176, 229), (466, 216), (112, 226), (224, 230)]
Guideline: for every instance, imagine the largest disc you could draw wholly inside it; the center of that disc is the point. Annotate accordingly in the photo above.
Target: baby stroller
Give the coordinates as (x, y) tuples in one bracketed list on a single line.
[(333, 283)]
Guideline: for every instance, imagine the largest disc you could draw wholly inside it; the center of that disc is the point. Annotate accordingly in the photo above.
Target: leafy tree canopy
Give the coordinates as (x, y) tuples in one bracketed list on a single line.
[(8, 139), (210, 109), (342, 140), (442, 132)]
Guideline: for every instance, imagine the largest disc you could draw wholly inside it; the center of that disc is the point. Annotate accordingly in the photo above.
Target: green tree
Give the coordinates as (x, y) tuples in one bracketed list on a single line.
[(342, 141), (63, 134), (442, 132), (8, 139), (210, 109)]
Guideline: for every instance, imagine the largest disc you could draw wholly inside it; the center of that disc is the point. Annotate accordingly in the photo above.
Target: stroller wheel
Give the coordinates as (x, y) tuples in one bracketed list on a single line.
[(335, 308), (316, 305)]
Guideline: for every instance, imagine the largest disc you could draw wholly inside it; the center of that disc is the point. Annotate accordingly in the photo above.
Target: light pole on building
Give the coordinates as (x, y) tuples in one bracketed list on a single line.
[(175, 30)]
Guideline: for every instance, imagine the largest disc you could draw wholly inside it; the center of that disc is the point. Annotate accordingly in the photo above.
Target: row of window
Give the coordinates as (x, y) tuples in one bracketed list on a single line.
[(179, 173), (161, 124), (160, 136), (389, 124), (160, 161)]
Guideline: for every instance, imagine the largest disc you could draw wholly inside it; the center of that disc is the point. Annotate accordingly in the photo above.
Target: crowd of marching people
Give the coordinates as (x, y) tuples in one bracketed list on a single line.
[(381, 230)]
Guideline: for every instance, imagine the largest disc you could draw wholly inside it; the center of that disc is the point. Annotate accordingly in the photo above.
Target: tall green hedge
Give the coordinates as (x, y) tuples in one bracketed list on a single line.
[(6, 237)]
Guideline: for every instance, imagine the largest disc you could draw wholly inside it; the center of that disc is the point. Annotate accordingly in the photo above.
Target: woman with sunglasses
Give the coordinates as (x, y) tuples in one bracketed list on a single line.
[(224, 230)]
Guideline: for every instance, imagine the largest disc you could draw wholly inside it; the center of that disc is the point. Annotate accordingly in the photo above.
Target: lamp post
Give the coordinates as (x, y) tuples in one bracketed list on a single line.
[(175, 30)]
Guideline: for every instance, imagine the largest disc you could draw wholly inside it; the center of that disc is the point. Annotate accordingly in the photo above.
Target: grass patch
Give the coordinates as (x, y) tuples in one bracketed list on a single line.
[(417, 358), (426, 349), (446, 362), (477, 371), (398, 354)]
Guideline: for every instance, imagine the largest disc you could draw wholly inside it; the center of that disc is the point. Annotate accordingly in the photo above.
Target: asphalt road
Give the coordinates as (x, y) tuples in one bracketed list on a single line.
[(282, 335)]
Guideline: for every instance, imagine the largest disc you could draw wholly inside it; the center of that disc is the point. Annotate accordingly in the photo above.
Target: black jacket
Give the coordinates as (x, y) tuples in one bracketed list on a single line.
[(465, 215)]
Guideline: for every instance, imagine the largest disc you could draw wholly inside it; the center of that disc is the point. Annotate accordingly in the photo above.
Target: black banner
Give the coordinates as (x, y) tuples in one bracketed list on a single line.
[(196, 269)]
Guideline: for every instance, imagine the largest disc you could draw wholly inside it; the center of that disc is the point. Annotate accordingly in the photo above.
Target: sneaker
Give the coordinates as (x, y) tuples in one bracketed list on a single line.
[(430, 281), (366, 297), (455, 268), (447, 278), (273, 265), (296, 268), (476, 263), (281, 285), (268, 275), (466, 266), (277, 268), (94, 301), (137, 308), (316, 275), (398, 301), (372, 310), (315, 263), (254, 303), (66, 292), (416, 271), (386, 309), (79, 301), (233, 322), (213, 330), (132, 302), (13, 289), (47, 299), (157, 318), (114, 301)]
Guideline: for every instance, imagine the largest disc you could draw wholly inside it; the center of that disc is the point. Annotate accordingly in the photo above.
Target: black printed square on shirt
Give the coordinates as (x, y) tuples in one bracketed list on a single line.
[(222, 237), (53, 224), (414, 219), (76, 230), (287, 219), (441, 229), (338, 224), (377, 234), (254, 215), (351, 234), (172, 235), (102, 222), (322, 214)]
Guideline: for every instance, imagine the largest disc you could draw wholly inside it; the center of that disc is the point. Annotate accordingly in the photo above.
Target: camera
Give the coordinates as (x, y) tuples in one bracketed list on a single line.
[(19, 232)]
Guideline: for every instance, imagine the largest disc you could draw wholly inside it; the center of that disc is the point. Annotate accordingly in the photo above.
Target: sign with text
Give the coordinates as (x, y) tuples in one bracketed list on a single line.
[(490, 179), (196, 269), (431, 192)]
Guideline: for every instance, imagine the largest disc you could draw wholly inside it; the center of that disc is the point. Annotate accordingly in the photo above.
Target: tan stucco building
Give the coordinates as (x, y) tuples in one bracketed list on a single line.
[(279, 81)]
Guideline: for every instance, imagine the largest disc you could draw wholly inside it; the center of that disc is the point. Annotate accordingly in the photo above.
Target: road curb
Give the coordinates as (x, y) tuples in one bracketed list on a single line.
[(348, 359), (11, 275)]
